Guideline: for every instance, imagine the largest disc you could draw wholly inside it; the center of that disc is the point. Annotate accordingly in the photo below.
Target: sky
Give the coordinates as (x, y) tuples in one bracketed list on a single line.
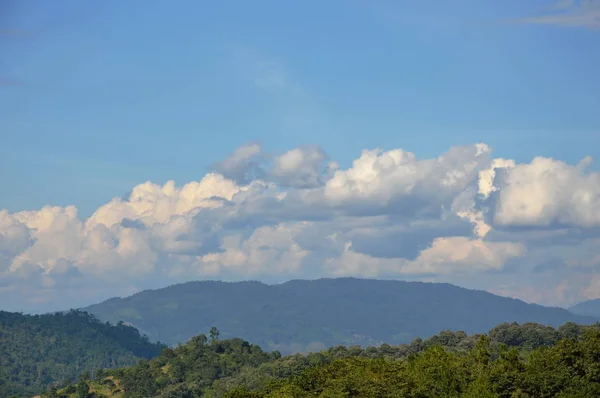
[(149, 143)]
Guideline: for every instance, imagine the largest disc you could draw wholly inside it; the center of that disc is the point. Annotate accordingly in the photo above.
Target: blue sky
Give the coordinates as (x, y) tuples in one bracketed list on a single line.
[(97, 97), (117, 93)]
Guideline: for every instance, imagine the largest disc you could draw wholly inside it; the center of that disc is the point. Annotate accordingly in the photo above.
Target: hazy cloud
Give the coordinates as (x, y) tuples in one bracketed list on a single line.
[(568, 13)]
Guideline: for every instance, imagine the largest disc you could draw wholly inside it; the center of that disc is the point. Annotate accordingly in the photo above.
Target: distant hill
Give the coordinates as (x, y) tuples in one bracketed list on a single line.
[(39, 350), (587, 308), (300, 315)]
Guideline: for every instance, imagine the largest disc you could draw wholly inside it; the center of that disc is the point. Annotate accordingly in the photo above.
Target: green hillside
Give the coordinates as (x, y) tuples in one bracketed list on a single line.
[(531, 360), (38, 350), (302, 315)]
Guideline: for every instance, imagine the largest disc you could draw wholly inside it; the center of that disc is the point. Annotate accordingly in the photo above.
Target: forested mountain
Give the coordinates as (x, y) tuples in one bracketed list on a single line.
[(37, 350), (512, 360), (300, 316), (588, 308)]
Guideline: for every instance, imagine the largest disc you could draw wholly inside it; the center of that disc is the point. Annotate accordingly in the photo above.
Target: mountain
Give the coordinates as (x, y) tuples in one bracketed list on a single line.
[(486, 366), (302, 315), (587, 308), (39, 350)]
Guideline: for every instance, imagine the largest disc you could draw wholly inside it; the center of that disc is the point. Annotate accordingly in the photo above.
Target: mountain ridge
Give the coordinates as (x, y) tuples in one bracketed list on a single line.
[(587, 308), (303, 315)]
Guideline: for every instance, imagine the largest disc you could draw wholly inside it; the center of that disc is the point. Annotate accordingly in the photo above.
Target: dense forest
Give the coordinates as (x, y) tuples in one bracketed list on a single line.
[(38, 350), (511, 360), (305, 315)]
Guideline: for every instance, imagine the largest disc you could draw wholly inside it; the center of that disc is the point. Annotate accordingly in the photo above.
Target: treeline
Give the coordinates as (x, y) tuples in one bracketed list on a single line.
[(568, 369), (528, 360), (37, 351)]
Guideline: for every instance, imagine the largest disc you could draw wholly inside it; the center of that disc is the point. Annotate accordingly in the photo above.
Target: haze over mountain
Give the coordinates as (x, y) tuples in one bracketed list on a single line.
[(588, 308), (303, 315)]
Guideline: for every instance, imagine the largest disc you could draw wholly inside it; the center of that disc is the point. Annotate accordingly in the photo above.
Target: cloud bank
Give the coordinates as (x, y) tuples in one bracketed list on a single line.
[(520, 229)]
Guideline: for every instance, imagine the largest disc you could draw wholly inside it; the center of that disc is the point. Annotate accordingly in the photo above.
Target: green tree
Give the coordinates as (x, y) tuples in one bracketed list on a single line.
[(214, 333), (83, 389)]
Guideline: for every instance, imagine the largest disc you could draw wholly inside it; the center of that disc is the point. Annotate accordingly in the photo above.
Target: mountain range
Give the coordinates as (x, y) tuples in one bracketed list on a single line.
[(309, 315)]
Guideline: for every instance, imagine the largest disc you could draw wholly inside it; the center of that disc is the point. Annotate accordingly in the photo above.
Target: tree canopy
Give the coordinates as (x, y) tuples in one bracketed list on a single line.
[(37, 351), (512, 360)]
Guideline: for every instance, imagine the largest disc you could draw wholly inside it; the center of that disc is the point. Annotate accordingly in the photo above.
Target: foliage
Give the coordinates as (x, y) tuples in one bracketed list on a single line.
[(512, 360), (571, 368), (37, 351)]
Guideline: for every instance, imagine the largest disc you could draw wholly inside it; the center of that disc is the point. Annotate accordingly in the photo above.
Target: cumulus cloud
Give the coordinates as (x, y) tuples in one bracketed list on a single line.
[(396, 182), (546, 192), (14, 239), (446, 255), (297, 214), (243, 165), (305, 167), (451, 254)]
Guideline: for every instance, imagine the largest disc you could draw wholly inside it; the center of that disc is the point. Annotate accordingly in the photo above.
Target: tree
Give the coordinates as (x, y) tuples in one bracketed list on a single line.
[(100, 374), (83, 389), (52, 393), (214, 333)]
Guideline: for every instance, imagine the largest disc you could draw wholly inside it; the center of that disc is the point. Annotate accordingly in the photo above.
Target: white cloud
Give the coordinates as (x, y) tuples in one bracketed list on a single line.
[(546, 192), (269, 249), (243, 165), (304, 167), (389, 215), (14, 239), (446, 255), (452, 254), (591, 291), (396, 181)]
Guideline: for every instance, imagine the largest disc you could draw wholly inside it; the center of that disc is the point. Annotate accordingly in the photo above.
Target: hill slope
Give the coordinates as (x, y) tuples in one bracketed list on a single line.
[(297, 316), (235, 368), (37, 350), (588, 308)]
